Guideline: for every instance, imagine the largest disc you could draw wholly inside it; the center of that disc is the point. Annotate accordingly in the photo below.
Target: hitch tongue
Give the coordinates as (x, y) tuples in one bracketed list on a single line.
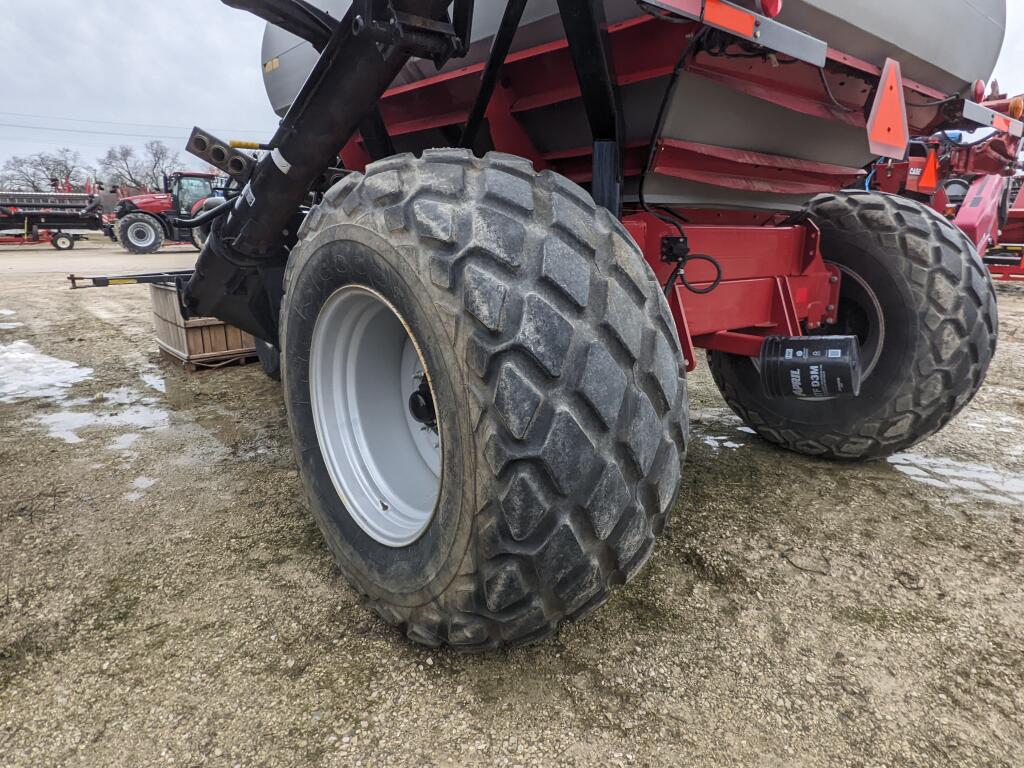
[(811, 367)]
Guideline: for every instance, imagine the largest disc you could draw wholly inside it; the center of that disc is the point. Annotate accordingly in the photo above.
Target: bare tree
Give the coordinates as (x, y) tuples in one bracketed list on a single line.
[(37, 173), (122, 167), (20, 174), (159, 161)]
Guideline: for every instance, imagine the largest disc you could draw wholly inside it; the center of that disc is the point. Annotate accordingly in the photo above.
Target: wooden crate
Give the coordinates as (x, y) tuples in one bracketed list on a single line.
[(201, 342)]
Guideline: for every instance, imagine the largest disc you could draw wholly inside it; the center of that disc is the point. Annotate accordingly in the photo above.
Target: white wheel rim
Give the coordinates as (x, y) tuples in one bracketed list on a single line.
[(364, 366), (141, 234)]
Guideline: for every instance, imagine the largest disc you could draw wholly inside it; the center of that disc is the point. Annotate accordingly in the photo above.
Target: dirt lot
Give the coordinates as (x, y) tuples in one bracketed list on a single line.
[(165, 597)]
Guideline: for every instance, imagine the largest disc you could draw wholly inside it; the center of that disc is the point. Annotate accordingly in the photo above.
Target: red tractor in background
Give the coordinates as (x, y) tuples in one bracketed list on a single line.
[(143, 223)]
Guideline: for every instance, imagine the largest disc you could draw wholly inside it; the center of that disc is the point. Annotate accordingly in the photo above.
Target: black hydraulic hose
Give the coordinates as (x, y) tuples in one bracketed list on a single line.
[(665, 215), (205, 218), (659, 125)]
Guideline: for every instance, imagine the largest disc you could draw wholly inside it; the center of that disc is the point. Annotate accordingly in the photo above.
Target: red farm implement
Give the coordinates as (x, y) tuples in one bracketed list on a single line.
[(33, 218), (1005, 258), (486, 311), (973, 182)]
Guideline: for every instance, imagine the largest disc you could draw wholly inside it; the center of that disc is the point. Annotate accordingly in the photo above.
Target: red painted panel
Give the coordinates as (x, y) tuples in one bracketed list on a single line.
[(979, 215)]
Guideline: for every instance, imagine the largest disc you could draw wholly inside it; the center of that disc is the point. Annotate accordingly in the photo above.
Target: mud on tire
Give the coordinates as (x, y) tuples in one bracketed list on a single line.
[(939, 320), (557, 375)]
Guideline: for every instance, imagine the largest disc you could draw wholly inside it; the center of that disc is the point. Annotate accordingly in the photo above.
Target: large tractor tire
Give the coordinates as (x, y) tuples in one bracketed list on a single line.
[(922, 304), (140, 233), (485, 392)]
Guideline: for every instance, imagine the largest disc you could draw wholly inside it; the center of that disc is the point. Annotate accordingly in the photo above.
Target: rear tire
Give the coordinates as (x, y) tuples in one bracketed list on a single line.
[(555, 376), (922, 303), (140, 233)]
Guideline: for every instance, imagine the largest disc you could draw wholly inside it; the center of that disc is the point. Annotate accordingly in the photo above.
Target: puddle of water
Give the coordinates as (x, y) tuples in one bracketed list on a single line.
[(154, 381), (10, 326), (995, 421), (65, 424), (25, 372), (142, 483), (988, 483), (138, 415)]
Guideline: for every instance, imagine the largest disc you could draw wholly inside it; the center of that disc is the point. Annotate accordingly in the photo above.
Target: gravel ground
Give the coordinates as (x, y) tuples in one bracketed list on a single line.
[(166, 599)]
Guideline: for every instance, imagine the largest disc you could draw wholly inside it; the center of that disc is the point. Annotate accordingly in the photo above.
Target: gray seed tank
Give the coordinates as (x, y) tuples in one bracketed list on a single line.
[(945, 44)]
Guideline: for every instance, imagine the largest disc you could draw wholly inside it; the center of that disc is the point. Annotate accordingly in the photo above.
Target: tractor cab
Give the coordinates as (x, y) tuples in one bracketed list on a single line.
[(187, 189)]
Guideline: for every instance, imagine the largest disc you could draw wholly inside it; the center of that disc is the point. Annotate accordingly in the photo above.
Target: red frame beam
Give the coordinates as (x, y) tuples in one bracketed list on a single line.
[(774, 283), (978, 217)]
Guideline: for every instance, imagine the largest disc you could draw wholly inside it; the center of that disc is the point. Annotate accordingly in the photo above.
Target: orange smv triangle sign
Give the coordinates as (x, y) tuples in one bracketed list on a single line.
[(888, 133), (929, 181)]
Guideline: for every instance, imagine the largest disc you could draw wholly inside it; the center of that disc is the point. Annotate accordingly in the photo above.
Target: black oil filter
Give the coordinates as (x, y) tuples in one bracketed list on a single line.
[(809, 367)]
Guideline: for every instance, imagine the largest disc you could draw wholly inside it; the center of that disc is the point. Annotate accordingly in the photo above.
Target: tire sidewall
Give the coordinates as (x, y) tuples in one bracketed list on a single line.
[(350, 255)]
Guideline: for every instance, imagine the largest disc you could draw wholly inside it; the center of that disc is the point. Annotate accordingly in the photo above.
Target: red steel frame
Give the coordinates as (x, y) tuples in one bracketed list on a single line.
[(1010, 266), (774, 280), (44, 239)]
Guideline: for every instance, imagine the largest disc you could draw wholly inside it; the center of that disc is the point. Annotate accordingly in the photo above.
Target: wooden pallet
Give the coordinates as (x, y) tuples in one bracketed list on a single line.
[(201, 342)]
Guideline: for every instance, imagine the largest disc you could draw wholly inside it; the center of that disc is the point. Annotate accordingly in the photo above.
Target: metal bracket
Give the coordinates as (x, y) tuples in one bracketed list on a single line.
[(414, 35), (989, 118), (751, 26)]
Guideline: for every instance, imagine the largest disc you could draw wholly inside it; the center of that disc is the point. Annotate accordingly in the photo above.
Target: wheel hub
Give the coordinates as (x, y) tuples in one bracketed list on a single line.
[(140, 234), (860, 315), (421, 405), (375, 416)]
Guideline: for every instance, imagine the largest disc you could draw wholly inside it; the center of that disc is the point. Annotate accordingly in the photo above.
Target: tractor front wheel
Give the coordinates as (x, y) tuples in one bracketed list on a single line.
[(140, 233), (485, 393), (923, 307)]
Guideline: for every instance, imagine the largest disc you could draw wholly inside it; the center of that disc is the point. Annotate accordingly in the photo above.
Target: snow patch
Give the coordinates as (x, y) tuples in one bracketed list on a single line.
[(25, 372), (719, 441)]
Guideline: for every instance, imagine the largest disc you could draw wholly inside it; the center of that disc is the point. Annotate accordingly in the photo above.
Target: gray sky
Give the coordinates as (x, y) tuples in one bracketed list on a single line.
[(154, 68)]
